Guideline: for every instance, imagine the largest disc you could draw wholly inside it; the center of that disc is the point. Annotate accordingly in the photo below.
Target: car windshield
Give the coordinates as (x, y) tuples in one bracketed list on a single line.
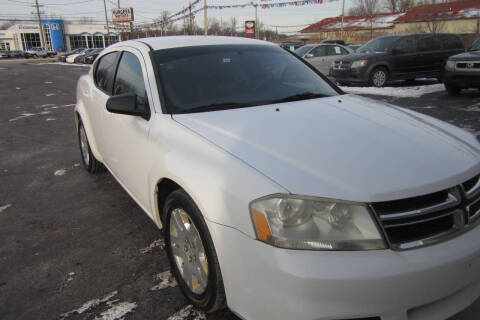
[(378, 45), (475, 46), (302, 50), (216, 77)]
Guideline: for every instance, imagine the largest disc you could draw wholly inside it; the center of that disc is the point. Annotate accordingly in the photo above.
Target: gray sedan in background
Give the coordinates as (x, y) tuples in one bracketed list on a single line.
[(321, 56)]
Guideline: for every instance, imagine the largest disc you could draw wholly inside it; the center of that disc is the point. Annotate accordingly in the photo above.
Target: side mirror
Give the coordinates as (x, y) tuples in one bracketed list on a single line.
[(126, 104), (309, 55)]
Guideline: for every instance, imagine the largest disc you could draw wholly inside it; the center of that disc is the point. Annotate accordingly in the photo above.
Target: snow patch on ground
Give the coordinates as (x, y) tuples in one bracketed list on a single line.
[(49, 94), (157, 243), (69, 64), (48, 82), (117, 311), (70, 276), (166, 280), (5, 207), (89, 305), (60, 172), (188, 313), (23, 115), (18, 88), (50, 119), (473, 108), (399, 92)]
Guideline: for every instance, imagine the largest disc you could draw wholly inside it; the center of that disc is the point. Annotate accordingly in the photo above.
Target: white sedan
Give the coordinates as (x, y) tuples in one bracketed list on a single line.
[(279, 195)]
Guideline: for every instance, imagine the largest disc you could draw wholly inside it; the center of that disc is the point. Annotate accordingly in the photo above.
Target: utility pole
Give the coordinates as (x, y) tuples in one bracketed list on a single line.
[(106, 17), (343, 13), (256, 21), (40, 27), (205, 21), (184, 23)]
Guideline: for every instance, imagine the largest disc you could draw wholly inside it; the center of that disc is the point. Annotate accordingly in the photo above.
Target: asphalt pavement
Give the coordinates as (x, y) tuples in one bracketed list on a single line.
[(76, 246)]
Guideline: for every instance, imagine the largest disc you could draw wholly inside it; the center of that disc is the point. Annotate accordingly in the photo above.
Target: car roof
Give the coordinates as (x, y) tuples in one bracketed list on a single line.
[(159, 43)]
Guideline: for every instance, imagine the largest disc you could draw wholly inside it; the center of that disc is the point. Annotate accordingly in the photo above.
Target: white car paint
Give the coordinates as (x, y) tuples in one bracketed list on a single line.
[(71, 58), (343, 147)]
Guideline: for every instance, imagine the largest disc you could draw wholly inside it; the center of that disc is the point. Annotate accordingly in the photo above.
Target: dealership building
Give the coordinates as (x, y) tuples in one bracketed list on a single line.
[(59, 35)]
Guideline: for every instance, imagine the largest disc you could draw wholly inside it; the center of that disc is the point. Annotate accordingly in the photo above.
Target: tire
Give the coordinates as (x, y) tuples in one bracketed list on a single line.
[(90, 163), (452, 89), (185, 225), (378, 77)]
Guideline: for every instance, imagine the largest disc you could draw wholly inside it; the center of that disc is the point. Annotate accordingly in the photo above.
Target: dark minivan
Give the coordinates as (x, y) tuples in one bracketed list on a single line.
[(399, 57)]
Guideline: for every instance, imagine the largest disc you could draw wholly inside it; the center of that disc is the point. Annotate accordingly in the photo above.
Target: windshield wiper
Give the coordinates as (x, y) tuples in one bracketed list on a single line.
[(216, 107), (301, 96)]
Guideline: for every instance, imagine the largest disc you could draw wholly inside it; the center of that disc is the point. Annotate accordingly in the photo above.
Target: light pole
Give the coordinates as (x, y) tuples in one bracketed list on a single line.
[(40, 27), (343, 14), (256, 21), (106, 17), (205, 22)]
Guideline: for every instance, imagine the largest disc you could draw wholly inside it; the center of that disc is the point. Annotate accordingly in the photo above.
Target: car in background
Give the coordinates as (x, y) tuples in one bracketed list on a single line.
[(462, 71), (290, 46), (63, 56), (17, 54), (278, 193), (91, 56), (4, 54), (321, 56), (36, 53), (397, 57), (71, 58), (354, 47), (92, 52), (342, 42)]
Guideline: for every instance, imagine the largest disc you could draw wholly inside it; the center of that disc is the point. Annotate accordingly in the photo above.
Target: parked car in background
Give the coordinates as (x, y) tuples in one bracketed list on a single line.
[(354, 47), (17, 54), (36, 53), (71, 58), (342, 42), (399, 57), (290, 46), (90, 57), (279, 195), (4, 55), (462, 71), (90, 53), (321, 56), (63, 56)]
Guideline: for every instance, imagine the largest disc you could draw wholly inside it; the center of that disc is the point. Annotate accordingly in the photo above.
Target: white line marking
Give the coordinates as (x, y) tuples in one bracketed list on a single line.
[(166, 280), (5, 207), (157, 243), (188, 313)]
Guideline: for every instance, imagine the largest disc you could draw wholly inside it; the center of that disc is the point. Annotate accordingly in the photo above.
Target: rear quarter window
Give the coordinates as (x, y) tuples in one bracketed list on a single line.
[(450, 41), (105, 71)]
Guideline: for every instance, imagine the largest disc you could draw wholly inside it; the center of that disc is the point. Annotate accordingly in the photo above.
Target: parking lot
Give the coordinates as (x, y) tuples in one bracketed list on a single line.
[(76, 246)]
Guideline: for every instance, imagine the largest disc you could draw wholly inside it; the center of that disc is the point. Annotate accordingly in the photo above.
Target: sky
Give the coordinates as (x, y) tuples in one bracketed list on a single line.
[(146, 10)]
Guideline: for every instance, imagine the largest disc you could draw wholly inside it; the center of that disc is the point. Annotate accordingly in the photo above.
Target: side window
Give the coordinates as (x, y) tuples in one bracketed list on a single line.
[(428, 43), (335, 51), (451, 41), (105, 71), (406, 45), (129, 79), (318, 51)]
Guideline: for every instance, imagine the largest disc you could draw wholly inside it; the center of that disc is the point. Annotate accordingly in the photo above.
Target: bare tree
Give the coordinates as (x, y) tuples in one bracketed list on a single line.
[(366, 7), (435, 26), (233, 26), (399, 5), (163, 22), (214, 26)]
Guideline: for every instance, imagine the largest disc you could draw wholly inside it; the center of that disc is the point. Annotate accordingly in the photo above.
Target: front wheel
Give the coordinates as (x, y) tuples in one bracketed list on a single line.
[(191, 253), (90, 163), (379, 77), (452, 89)]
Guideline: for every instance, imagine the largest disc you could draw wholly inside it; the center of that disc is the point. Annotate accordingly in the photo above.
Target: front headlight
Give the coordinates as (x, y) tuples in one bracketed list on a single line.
[(309, 223), (359, 63), (450, 65)]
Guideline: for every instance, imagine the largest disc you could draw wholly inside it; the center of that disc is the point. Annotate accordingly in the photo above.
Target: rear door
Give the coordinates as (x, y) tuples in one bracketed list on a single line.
[(334, 52), (406, 58), (431, 55)]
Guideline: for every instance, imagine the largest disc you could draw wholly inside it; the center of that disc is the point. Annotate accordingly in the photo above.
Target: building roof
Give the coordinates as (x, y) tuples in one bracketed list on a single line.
[(442, 11), (378, 21)]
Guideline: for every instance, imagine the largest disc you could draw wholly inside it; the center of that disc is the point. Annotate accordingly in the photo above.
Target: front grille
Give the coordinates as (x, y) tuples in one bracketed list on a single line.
[(426, 219), (341, 65), (468, 65)]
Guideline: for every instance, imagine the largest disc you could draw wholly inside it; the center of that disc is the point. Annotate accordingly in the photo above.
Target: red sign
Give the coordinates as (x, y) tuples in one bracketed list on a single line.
[(250, 27)]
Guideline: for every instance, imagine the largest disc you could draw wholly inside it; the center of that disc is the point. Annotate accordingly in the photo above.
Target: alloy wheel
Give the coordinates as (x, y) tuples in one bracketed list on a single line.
[(84, 146), (379, 78)]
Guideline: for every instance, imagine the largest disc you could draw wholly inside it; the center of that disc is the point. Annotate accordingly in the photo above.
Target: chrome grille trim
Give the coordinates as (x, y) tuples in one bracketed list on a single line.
[(452, 200), (428, 219)]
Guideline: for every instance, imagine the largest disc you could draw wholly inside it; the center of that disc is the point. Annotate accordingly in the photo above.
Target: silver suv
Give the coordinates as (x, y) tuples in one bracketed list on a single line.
[(462, 71)]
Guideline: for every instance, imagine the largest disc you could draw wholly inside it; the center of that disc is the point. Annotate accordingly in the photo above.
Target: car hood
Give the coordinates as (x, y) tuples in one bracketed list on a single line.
[(344, 147), (467, 56)]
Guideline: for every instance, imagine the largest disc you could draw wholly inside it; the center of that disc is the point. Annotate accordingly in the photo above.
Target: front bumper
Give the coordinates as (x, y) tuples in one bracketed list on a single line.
[(462, 79), (350, 75), (263, 282)]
